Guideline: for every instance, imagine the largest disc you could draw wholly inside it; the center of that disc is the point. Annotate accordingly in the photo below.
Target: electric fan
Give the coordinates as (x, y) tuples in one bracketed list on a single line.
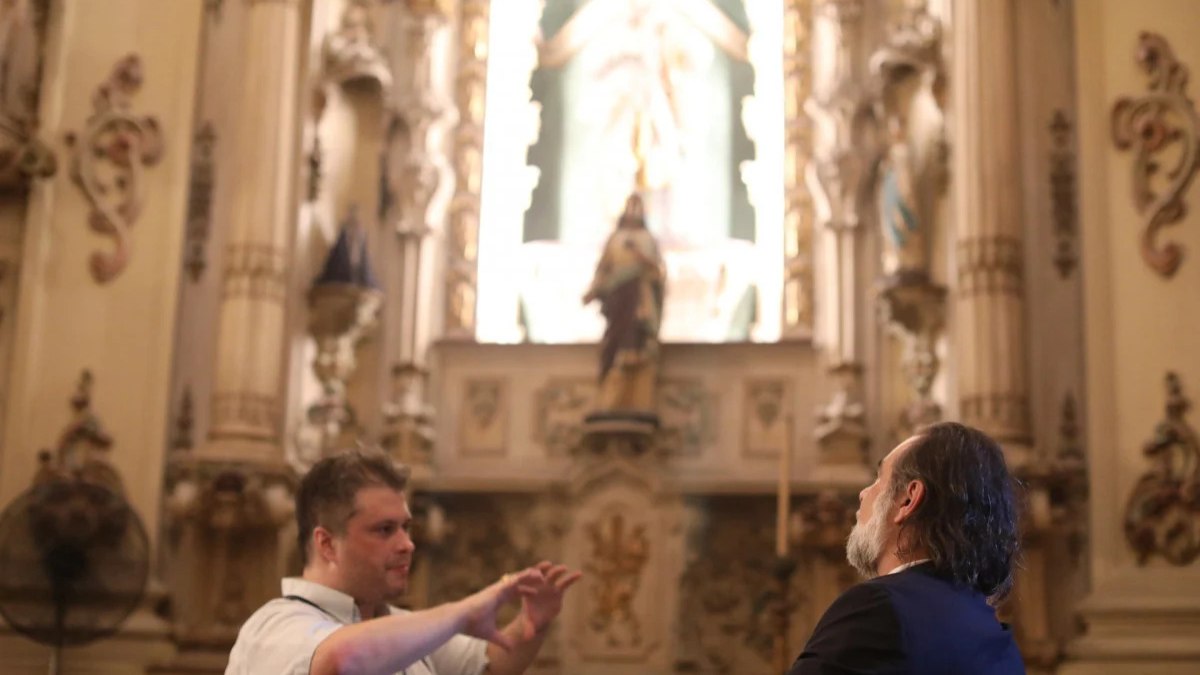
[(74, 559)]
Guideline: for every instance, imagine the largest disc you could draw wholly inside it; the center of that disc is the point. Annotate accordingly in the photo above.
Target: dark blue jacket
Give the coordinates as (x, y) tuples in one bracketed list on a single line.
[(910, 623)]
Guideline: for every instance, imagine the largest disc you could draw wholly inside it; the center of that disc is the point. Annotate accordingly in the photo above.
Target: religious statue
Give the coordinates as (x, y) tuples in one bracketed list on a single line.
[(629, 283), (905, 237)]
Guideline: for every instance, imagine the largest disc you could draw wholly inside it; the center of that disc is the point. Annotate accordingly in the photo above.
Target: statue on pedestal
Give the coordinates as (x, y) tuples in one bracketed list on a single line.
[(629, 284)]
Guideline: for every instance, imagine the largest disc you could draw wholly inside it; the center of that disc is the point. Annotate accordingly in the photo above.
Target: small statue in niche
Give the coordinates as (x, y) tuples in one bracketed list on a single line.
[(629, 283), (905, 237)]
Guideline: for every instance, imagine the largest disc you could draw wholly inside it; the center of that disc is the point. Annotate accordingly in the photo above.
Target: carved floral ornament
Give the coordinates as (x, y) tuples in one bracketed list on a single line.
[(107, 161), (1163, 513), (1161, 126)]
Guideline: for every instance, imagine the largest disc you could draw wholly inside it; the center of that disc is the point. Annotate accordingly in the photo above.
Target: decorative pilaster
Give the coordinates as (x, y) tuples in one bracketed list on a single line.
[(462, 237), (839, 111), (990, 350), (419, 181), (246, 415)]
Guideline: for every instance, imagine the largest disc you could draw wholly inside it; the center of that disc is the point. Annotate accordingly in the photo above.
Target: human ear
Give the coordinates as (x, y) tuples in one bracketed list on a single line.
[(911, 499), (322, 542)]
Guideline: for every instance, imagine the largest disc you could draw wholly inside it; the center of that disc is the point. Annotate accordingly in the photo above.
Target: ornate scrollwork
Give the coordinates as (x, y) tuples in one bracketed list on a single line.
[(108, 158), (688, 413), (798, 205), (1163, 514), (1152, 124)]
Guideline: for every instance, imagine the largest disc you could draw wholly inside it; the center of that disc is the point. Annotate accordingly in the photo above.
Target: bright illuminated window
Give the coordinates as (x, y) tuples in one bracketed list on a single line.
[(682, 101)]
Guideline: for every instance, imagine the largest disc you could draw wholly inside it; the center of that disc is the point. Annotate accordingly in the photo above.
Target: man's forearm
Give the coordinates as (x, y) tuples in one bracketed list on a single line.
[(387, 644), (524, 651)]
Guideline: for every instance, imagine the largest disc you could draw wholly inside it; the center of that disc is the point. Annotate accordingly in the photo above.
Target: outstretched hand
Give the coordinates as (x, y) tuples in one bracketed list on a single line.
[(540, 606), (480, 608)]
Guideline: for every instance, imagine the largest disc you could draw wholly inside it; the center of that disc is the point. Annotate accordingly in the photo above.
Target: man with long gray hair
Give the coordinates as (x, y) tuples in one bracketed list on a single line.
[(936, 538)]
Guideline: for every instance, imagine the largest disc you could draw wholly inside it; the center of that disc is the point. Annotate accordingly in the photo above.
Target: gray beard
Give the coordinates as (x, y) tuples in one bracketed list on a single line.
[(866, 542)]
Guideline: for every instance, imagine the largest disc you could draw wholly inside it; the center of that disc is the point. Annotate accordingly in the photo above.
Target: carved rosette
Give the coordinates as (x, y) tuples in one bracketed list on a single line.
[(1163, 514), (798, 206), (462, 237), (108, 159), (1161, 127)]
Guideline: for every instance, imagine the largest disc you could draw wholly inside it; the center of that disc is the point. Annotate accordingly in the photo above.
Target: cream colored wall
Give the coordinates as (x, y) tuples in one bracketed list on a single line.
[(1138, 326), (64, 320)]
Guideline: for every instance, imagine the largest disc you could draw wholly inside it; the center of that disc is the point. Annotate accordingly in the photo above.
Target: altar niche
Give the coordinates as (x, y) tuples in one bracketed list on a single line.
[(589, 101)]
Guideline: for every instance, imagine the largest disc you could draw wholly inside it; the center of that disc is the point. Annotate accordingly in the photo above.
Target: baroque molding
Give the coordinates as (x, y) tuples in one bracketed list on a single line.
[(990, 265), (22, 156), (798, 282), (619, 549), (83, 447), (409, 433), (351, 53), (688, 413), (463, 229), (485, 412), (1062, 195), (108, 158), (558, 409), (258, 411), (202, 182), (1161, 517), (1003, 414), (1159, 125), (256, 271)]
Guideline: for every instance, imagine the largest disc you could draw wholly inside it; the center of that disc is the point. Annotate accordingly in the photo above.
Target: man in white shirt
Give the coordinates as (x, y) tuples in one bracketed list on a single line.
[(354, 534)]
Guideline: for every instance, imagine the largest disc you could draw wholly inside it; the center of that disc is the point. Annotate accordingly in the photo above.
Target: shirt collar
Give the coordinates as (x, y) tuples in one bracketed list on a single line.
[(335, 603), (901, 568)]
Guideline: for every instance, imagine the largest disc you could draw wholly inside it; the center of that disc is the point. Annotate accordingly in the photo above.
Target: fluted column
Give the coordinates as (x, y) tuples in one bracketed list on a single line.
[(246, 413), (989, 339)]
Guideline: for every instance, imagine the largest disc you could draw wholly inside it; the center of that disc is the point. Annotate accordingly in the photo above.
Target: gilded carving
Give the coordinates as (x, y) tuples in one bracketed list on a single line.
[(463, 230), (1159, 126), (765, 405), (619, 551), (559, 409), (727, 588), (484, 420), (22, 156), (200, 196), (1163, 514), (798, 206), (688, 417), (989, 265), (1062, 195), (108, 159)]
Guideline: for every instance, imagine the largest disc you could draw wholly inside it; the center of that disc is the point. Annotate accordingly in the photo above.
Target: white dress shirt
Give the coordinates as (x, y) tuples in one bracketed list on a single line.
[(283, 634)]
